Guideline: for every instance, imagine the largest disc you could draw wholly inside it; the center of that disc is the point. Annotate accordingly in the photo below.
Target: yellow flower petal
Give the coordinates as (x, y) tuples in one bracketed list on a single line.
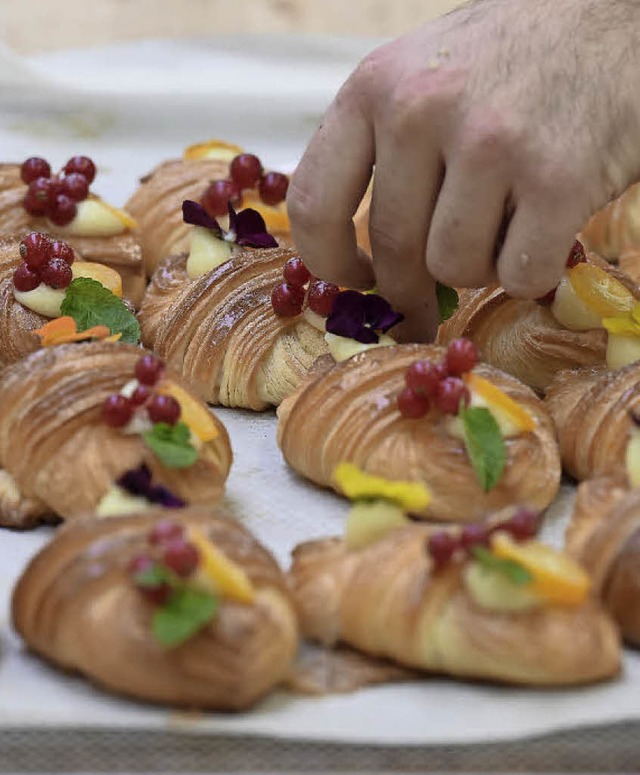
[(358, 485)]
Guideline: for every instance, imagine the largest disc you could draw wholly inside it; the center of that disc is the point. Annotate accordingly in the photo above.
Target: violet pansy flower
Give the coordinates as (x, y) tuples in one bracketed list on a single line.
[(246, 228), (138, 482), (360, 316)]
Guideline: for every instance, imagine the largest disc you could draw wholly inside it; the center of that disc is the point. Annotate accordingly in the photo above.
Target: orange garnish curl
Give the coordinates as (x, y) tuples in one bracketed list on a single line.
[(64, 329), (500, 401)]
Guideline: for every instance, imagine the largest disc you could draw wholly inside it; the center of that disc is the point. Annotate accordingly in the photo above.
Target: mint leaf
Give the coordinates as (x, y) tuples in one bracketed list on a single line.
[(185, 613), (91, 304), (515, 572), (485, 445), (447, 301), (171, 444)]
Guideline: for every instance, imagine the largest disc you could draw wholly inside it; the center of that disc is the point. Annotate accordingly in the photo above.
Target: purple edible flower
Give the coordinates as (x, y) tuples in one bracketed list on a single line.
[(138, 482), (246, 228), (360, 315)]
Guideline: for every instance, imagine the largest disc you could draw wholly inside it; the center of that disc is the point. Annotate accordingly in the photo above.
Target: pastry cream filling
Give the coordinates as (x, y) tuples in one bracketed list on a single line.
[(571, 312), (508, 428), (118, 501), (622, 350), (493, 591), (342, 348), (206, 252), (632, 458), (95, 218), (315, 320), (369, 521)]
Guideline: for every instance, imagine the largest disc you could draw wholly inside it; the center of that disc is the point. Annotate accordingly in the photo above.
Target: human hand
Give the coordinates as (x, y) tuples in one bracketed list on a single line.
[(495, 131)]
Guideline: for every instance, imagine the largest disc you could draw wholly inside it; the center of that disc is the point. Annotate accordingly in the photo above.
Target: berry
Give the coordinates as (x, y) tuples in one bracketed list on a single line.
[(461, 357), (81, 165), (35, 250), (441, 547), (246, 170), (181, 557), (61, 250), (148, 370), (75, 186), (522, 525), (412, 405), (140, 395), (424, 377), (576, 256), (63, 210), (474, 535), (296, 273), (287, 300), (25, 279), (57, 274), (217, 196), (164, 531), (452, 392), (117, 411), (164, 409), (35, 200), (54, 190), (321, 297), (158, 593), (34, 167), (548, 299), (273, 188)]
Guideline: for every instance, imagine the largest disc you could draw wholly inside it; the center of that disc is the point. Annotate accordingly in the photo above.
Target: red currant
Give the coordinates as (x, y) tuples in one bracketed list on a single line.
[(441, 547), (246, 170), (35, 200), (149, 369), (474, 535), (424, 377), (287, 300), (82, 165), (452, 392), (522, 525), (63, 211), (181, 557), (117, 411), (321, 297), (57, 274), (548, 299), (35, 250), (164, 531), (413, 405), (461, 357), (25, 279), (140, 395), (158, 593), (75, 186), (576, 256), (164, 409), (217, 196), (295, 272), (34, 167), (140, 564), (54, 190), (61, 250), (273, 188)]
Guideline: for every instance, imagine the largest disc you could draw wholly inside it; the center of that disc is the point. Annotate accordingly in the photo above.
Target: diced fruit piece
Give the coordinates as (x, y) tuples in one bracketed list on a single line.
[(425, 377), (632, 458), (117, 411), (25, 279), (287, 300), (105, 275), (196, 416), (600, 291), (81, 165), (500, 403), (556, 577), (212, 149), (494, 591), (452, 394), (43, 300), (570, 311), (441, 547), (149, 369), (461, 357), (321, 297), (342, 348), (180, 556), (217, 196), (164, 409), (369, 521), (273, 188), (57, 274), (206, 252), (219, 574), (246, 170), (34, 167), (622, 350), (164, 531), (295, 272), (413, 405)]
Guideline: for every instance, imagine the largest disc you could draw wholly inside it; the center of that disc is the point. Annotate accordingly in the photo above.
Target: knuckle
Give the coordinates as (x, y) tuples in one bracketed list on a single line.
[(490, 135), (419, 97)]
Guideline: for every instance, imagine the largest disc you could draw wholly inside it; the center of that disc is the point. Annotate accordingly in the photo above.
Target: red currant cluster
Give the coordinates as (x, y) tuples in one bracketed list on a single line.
[(170, 550), (289, 297), (245, 172), (444, 546), (55, 197), (438, 383), (576, 256), (118, 410), (43, 261)]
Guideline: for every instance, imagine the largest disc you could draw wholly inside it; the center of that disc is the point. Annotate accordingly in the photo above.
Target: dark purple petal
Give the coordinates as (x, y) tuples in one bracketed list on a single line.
[(138, 482), (351, 302), (195, 214), (379, 314), (164, 497), (264, 240), (250, 229), (635, 417)]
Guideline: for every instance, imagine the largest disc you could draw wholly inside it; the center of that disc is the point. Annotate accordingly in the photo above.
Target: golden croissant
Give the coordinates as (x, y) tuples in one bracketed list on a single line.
[(348, 412), (77, 606), (221, 333), (387, 600), (121, 252), (60, 457), (615, 228)]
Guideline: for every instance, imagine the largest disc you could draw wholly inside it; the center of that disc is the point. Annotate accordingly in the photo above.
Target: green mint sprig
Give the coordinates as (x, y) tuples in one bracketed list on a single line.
[(485, 445), (90, 304), (171, 444)]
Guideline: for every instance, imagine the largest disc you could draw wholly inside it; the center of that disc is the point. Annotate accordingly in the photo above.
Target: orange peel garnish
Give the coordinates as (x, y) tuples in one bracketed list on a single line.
[(276, 218), (208, 150), (105, 275), (600, 291), (219, 574), (499, 400), (64, 329), (196, 416)]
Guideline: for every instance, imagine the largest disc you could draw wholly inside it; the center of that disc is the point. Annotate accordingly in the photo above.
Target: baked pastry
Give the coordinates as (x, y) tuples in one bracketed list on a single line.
[(218, 631), (79, 421), (32, 200), (360, 411), (497, 608), (534, 340), (615, 228)]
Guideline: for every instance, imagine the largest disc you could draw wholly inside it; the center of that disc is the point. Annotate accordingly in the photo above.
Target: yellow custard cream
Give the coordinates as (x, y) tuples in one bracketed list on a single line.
[(341, 347), (118, 501), (95, 218), (571, 312), (493, 591), (206, 253)]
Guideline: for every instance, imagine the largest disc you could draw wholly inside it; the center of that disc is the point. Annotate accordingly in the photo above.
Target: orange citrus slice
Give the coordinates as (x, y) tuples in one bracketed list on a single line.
[(64, 329), (556, 576), (218, 574), (600, 291), (196, 416), (276, 218), (105, 275), (501, 401), (212, 149)]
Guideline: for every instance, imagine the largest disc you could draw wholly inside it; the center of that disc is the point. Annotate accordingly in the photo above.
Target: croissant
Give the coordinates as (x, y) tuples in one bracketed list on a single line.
[(386, 600), (348, 412), (60, 455), (76, 605), (616, 227), (590, 408), (121, 252), (221, 333)]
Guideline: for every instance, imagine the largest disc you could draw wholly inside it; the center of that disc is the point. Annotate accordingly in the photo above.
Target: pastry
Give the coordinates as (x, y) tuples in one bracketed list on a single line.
[(102, 427), (200, 617), (62, 206), (478, 438), (534, 340), (615, 228)]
